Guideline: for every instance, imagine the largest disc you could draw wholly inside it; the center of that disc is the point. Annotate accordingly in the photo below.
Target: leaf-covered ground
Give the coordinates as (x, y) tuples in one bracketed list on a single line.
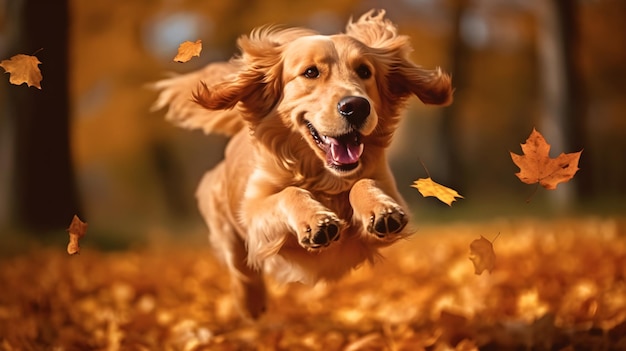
[(558, 285)]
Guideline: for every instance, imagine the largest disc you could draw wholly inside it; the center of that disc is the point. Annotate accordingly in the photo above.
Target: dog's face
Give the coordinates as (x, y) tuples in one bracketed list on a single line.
[(330, 97), (339, 94)]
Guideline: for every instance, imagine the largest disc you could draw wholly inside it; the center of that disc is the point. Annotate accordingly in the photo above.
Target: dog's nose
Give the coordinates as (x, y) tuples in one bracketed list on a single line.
[(355, 109)]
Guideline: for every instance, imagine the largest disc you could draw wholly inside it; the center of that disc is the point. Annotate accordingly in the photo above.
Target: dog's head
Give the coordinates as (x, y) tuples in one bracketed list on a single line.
[(341, 94)]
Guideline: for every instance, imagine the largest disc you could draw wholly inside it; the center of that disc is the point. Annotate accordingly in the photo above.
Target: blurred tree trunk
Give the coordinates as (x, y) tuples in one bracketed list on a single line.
[(564, 103), (452, 148), (44, 191), (576, 106)]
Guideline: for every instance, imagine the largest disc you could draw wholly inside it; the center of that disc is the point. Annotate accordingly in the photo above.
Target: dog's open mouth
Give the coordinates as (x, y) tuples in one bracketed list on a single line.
[(343, 151)]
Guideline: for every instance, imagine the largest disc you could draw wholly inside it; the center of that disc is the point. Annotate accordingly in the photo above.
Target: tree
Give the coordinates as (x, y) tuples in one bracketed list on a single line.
[(562, 84), (459, 52), (44, 193), (577, 99)]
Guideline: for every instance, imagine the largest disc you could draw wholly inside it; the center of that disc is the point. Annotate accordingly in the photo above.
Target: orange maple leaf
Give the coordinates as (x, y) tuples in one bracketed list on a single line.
[(23, 69), (482, 255), (77, 230), (536, 165), (187, 50)]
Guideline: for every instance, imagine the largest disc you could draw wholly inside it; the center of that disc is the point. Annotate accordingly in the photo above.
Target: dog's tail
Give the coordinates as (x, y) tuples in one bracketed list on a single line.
[(176, 93)]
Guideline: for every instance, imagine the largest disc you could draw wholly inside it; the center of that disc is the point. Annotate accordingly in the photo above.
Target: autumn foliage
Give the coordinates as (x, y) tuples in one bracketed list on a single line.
[(187, 50), (482, 255), (536, 165), (435, 299), (428, 187), (557, 285), (23, 69), (77, 230)]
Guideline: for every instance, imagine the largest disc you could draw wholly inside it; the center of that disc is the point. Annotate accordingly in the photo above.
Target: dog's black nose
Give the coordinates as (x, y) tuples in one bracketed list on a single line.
[(355, 109)]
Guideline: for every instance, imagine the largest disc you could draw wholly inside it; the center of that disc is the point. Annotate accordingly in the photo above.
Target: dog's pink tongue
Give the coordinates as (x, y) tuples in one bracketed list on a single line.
[(344, 151)]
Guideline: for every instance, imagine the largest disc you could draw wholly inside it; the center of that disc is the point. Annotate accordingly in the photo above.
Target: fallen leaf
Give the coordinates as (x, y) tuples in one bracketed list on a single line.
[(77, 230), (187, 50), (155, 297), (453, 327), (428, 187), (482, 255), (23, 69), (536, 165)]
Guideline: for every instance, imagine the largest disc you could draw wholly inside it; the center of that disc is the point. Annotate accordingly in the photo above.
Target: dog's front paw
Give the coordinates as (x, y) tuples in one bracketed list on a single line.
[(321, 233), (387, 219)]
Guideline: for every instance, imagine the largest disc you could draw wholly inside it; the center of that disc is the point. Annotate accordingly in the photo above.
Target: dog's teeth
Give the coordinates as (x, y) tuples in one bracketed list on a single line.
[(333, 152)]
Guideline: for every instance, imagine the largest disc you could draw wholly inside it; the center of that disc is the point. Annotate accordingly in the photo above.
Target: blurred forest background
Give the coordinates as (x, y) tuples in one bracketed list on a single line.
[(87, 142)]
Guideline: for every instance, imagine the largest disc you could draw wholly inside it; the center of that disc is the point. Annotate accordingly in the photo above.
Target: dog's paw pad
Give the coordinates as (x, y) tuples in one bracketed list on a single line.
[(322, 235), (388, 221)]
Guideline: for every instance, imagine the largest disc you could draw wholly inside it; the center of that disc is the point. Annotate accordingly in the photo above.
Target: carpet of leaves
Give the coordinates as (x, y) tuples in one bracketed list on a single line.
[(557, 285)]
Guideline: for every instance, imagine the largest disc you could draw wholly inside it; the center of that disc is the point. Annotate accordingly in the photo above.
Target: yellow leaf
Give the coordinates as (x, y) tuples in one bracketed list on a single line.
[(427, 187), (77, 230), (23, 69), (187, 50)]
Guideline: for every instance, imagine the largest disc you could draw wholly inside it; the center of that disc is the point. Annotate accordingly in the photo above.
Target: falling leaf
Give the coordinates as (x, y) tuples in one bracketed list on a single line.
[(77, 230), (482, 255), (187, 50), (428, 187), (23, 69), (536, 165)]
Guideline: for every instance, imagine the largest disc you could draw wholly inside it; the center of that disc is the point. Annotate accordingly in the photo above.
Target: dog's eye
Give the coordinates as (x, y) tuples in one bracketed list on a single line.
[(363, 72), (311, 72)]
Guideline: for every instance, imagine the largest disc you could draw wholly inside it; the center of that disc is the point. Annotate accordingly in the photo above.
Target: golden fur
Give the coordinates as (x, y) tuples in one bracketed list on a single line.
[(304, 192)]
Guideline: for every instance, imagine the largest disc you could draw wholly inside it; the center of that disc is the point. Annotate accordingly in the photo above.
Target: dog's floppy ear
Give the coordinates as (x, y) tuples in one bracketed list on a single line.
[(257, 84), (391, 55), (431, 86)]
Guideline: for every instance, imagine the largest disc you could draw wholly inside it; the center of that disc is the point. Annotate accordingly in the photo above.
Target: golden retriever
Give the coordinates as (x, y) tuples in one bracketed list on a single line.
[(304, 192)]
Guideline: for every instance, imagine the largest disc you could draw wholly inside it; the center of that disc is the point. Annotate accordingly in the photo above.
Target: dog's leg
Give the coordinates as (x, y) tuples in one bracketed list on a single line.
[(378, 212), (247, 283), (271, 218)]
